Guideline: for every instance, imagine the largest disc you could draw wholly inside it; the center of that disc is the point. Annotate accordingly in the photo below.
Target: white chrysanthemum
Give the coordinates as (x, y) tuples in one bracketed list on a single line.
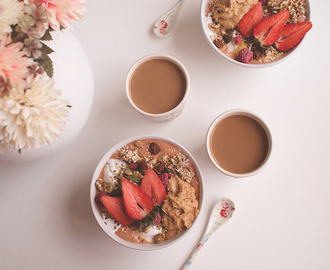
[(10, 13), (33, 117)]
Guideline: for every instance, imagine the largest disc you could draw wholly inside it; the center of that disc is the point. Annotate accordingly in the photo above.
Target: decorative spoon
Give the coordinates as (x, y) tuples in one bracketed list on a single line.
[(222, 211), (165, 25)]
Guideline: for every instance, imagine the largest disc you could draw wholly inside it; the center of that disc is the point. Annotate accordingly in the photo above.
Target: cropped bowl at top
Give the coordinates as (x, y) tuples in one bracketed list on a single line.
[(110, 229), (209, 35)]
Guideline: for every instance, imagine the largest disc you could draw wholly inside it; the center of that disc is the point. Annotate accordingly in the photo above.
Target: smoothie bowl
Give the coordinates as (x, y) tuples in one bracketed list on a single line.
[(255, 33), (147, 192)]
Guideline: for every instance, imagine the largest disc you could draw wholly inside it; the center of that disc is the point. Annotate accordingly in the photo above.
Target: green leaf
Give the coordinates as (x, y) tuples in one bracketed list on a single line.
[(47, 35), (135, 178), (45, 50), (141, 224), (47, 64), (266, 47)]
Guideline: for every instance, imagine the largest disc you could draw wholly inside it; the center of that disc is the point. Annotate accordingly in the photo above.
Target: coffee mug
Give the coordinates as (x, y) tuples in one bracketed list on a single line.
[(239, 143), (157, 86)]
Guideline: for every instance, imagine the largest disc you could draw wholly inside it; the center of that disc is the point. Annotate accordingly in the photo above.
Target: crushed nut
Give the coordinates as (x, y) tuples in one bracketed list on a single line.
[(133, 227), (186, 175), (151, 163), (219, 43), (98, 185), (158, 238), (138, 144), (146, 229)]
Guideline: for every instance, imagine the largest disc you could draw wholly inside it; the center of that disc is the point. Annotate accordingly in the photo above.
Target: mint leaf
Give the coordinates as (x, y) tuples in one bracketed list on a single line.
[(135, 178)]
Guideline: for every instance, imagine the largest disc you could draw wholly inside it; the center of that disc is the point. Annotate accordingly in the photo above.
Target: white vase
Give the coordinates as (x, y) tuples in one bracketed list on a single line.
[(73, 76)]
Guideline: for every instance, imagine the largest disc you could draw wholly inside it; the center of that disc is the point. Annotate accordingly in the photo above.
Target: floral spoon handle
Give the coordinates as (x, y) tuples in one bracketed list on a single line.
[(195, 252), (222, 212)]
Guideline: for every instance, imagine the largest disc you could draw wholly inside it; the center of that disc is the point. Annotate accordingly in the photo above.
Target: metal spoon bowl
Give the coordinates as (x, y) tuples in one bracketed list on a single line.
[(165, 24), (222, 212)]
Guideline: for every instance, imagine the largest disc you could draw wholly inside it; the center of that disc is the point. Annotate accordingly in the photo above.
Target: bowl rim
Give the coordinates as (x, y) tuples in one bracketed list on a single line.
[(261, 65), (110, 232), (253, 116)]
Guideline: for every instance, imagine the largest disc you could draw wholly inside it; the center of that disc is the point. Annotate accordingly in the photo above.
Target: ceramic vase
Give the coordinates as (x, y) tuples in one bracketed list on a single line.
[(73, 76)]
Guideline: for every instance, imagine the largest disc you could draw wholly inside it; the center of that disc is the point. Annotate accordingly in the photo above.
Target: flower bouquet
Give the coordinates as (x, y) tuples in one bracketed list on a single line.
[(31, 112)]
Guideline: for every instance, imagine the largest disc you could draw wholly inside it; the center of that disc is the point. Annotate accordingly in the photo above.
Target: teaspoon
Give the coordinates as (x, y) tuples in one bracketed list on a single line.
[(222, 212), (165, 24)]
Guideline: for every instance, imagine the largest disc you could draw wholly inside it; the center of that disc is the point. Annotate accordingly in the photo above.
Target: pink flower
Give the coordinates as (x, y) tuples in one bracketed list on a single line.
[(63, 12), (224, 205), (162, 31), (35, 21), (224, 213), (13, 62), (163, 24), (200, 245)]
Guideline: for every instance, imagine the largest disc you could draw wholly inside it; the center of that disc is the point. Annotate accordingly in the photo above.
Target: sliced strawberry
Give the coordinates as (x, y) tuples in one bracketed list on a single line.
[(268, 30), (99, 195), (115, 207), (153, 186), (250, 20), (137, 203), (291, 34)]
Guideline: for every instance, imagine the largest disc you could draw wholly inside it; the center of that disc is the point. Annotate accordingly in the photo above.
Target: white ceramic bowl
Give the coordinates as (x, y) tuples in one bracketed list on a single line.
[(253, 116), (109, 230), (207, 32)]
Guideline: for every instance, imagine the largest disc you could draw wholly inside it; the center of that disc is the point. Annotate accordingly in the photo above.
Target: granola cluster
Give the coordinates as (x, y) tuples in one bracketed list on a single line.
[(296, 8)]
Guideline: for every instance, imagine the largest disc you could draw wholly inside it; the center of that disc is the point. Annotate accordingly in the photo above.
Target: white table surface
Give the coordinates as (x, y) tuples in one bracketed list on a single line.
[(282, 214)]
